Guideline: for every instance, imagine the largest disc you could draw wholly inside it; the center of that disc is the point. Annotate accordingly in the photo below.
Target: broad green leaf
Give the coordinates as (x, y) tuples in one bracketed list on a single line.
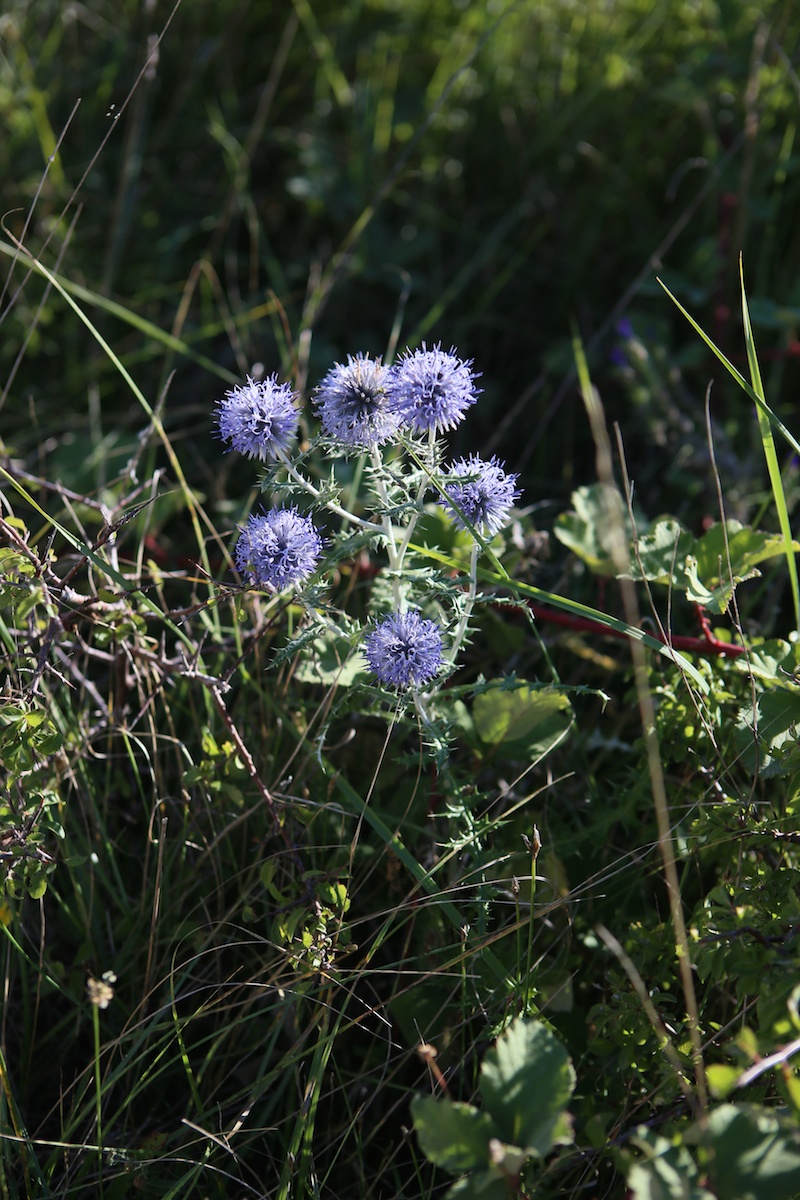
[(586, 530), (662, 551), (37, 884), (775, 661), (722, 1078), (756, 1154), (531, 720), (453, 1135), (696, 593), (708, 568), (747, 547), (526, 1082), (765, 737), (667, 1171), (484, 1185), (329, 660)]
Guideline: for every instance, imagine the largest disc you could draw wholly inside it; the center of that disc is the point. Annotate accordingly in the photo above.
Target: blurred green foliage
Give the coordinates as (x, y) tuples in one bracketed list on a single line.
[(477, 173)]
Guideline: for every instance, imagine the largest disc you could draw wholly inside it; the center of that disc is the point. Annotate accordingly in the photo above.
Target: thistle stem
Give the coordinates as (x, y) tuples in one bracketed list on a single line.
[(427, 478), (452, 653), (313, 491), (395, 562)]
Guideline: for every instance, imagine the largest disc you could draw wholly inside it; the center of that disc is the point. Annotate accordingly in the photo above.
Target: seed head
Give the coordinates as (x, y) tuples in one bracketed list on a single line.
[(482, 490), (353, 403), (404, 650), (432, 389), (278, 548), (258, 418)]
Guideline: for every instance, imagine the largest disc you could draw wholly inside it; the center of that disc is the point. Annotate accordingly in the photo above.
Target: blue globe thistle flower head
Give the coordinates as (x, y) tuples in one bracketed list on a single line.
[(482, 490), (404, 650), (432, 389), (353, 403), (278, 548), (258, 418)]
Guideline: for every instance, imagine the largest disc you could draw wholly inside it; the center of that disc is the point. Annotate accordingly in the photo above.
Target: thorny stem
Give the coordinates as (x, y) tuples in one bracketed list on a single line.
[(315, 492), (395, 560), (452, 653), (419, 705), (423, 487)]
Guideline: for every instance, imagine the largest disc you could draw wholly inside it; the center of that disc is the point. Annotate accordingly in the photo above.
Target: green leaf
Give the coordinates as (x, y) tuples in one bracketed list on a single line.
[(790, 547), (706, 569), (667, 1172), (722, 1078), (526, 1082), (756, 1154), (530, 720), (485, 1185), (585, 531), (329, 660), (453, 1135), (776, 720), (775, 661)]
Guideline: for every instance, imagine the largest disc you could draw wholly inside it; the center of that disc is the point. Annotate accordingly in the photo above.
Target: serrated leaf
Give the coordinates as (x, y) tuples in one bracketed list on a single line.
[(526, 1082), (775, 661), (451, 1134), (777, 720), (709, 568)]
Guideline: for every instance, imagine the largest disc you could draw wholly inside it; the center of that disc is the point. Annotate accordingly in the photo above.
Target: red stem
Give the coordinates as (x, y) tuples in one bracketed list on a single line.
[(707, 644)]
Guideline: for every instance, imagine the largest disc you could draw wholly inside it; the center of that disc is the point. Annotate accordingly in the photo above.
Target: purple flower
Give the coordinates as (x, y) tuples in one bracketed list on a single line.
[(482, 491), (278, 548), (432, 389), (404, 650), (353, 403), (258, 419)]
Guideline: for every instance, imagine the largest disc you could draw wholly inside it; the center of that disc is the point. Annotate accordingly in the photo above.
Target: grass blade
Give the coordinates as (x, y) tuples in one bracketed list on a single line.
[(768, 442), (759, 401)]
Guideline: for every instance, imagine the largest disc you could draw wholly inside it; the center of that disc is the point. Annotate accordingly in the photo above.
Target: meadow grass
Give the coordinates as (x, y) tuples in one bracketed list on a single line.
[(258, 902)]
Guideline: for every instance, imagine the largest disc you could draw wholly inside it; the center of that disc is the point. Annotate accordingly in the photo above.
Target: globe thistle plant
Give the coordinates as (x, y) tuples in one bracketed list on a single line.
[(363, 405), (354, 405), (259, 419), (404, 650), (480, 490), (279, 548), (431, 390)]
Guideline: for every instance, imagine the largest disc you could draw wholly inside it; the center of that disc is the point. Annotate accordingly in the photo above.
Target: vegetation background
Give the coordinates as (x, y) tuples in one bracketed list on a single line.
[(218, 185)]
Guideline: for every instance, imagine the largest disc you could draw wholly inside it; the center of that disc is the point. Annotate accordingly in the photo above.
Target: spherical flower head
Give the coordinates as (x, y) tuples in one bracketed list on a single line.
[(404, 650), (258, 418), (482, 491), (278, 548), (432, 389), (353, 403)]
